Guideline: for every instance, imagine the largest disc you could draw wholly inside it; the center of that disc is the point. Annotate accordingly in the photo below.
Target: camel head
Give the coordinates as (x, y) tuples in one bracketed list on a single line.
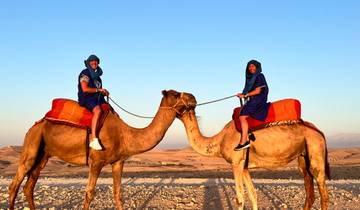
[(180, 102), (184, 103)]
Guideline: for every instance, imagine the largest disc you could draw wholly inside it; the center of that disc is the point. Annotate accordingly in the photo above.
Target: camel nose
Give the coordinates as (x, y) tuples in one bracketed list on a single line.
[(193, 103)]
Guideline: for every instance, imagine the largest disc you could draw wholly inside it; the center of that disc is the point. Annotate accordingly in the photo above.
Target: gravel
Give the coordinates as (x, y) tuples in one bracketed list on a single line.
[(181, 193)]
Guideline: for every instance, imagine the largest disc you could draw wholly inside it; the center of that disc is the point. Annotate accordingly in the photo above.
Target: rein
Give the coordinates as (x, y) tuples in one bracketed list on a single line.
[(148, 117), (174, 106), (217, 100)]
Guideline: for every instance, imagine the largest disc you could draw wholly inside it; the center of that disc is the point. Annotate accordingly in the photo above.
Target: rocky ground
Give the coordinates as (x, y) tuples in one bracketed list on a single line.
[(181, 193), (181, 179)]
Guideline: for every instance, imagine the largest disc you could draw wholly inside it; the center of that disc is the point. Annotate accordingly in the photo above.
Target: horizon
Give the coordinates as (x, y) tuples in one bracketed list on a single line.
[(308, 51)]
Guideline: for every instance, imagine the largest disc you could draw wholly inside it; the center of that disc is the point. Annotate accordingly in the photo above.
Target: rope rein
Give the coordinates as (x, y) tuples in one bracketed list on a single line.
[(147, 117), (130, 113), (214, 101)]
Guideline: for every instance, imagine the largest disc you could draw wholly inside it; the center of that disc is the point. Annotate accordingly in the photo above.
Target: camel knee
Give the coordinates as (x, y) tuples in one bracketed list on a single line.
[(117, 195), (28, 191), (90, 193), (28, 188)]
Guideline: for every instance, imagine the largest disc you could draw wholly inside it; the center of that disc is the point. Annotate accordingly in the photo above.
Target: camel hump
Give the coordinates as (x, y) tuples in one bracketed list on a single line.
[(70, 112), (312, 126)]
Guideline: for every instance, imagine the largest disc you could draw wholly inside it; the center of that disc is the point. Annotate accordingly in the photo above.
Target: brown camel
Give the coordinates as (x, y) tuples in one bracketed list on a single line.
[(119, 140), (274, 147)]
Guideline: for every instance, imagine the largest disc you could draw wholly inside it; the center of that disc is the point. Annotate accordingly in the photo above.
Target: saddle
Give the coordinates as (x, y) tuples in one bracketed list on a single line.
[(280, 112), (69, 112)]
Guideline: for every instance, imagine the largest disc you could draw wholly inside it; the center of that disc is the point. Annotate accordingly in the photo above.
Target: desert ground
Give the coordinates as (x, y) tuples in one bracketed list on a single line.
[(182, 179)]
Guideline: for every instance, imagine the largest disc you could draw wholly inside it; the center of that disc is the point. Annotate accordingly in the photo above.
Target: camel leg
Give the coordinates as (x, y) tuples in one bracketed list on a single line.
[(308, 182), (95, 169), (117, 169), (27, 161), (239, 186), (320, 180), (323, 192), (316, 147), (32, 179), (250, 188), (318, 170), (15, 184)]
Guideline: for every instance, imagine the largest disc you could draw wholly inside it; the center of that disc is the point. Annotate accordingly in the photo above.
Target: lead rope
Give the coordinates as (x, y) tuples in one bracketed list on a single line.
[(217, 100), (147, 117), (136, 115)]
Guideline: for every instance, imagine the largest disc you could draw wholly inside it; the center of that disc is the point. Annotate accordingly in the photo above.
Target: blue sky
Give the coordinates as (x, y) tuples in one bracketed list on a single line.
[(309, 50)]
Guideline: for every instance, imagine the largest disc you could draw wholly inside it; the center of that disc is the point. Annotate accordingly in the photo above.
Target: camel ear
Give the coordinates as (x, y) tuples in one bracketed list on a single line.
[(164, 92)]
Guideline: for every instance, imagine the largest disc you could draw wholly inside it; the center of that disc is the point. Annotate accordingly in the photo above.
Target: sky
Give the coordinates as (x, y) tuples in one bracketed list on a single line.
[(309, 50)]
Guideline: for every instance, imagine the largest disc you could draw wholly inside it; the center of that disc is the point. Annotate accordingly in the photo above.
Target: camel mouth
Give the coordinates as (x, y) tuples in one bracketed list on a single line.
[(192, 103)]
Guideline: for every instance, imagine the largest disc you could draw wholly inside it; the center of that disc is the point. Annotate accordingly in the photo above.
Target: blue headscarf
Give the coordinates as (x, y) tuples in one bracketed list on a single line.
[(250, 78), (94, 74)]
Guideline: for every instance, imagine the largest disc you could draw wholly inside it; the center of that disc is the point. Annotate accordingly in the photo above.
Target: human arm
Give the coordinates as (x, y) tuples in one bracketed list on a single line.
[(260, 84), (84, 82), (255, 92)]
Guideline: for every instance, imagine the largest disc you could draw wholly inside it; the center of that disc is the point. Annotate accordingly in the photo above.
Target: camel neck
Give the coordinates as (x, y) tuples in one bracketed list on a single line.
[(208, 146), (145, 139)]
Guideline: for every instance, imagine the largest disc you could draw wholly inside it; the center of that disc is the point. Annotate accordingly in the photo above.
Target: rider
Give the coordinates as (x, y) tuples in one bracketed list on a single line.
[(91, 94), (256, 89)]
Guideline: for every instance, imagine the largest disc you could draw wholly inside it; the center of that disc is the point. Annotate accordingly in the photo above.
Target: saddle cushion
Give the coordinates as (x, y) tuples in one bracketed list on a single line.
[(286, 109), (70, 112)]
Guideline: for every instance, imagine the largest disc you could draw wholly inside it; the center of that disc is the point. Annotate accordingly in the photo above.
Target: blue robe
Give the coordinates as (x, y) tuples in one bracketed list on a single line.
[(257, 107), (90, 100)]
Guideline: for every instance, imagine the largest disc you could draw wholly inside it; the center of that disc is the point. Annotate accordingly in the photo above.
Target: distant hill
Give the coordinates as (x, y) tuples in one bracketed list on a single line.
[(344, 140)]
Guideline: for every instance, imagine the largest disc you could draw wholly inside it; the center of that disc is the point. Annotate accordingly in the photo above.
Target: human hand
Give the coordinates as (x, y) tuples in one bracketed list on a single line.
[(104, 92), (240, 95)]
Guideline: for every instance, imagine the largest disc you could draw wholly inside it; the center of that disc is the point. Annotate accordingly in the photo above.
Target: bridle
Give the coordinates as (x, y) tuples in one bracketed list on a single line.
[(179, 101)]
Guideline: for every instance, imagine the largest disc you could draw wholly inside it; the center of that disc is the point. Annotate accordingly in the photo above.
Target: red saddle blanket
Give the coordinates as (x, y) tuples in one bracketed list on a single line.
[(286, 109), (70, 112)]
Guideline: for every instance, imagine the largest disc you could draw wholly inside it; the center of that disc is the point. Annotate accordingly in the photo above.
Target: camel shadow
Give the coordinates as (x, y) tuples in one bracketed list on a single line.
[(223, 184), (145, 203), (270, 193), (212, 199), (275, 201)]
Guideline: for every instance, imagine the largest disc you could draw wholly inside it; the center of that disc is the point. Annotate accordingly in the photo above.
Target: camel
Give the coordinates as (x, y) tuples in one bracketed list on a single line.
[(119, 140), (274, 147)]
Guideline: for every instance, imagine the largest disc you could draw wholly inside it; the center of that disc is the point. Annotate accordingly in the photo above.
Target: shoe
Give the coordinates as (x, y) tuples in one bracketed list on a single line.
[(242, 146), (94, 144)]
